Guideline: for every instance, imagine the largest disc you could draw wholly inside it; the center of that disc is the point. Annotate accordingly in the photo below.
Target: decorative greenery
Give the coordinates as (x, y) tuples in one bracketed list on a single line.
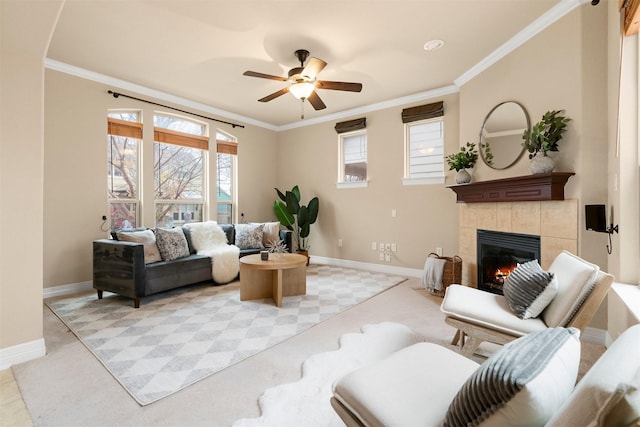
[(276, 247), (545, 135), (296, 217), (466, 158)]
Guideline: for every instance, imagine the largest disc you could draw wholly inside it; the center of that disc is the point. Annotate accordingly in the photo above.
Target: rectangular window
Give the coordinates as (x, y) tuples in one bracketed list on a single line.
[(424, 152), (124, 138), (353, 159), (227, 150), (179, 158)]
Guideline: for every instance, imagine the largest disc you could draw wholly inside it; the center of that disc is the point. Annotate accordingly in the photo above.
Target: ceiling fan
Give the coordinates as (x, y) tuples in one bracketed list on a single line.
[(303, 81)]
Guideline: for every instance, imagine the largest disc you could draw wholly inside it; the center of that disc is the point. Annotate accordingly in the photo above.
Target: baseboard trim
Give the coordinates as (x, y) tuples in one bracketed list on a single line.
[(72, 288), (22, 353), (403, 271)]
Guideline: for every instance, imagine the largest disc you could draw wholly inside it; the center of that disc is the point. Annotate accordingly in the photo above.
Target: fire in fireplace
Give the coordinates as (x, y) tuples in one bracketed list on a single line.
[(500, 253)]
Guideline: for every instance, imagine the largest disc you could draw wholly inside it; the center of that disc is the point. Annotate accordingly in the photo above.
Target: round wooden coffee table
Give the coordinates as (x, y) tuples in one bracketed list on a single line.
[(281, 275)]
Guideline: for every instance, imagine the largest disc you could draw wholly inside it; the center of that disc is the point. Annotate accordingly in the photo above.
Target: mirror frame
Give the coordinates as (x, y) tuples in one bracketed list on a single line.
[(484, 123)]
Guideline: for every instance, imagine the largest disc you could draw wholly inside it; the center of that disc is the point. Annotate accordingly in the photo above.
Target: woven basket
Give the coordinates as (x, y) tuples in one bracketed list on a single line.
[(451, 274)]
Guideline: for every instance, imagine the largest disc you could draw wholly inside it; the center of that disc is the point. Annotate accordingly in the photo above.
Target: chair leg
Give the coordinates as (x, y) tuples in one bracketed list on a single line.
[(456, 337), (471, 346), (459, 337)]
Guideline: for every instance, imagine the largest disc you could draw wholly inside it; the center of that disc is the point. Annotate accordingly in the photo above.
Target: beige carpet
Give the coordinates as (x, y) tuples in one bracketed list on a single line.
[(69, 387)]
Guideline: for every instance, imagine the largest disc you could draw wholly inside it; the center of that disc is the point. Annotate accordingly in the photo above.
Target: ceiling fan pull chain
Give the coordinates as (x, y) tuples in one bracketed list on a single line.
[(302, 109)]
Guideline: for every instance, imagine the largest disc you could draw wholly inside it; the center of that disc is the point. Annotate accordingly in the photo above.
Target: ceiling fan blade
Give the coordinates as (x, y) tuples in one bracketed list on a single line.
[(349, 87), (274, 95), (264, 76), (313, 68), (315, 100)]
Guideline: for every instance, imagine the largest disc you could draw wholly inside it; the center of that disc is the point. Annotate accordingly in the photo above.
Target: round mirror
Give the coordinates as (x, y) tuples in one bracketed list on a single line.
[(501, 134)]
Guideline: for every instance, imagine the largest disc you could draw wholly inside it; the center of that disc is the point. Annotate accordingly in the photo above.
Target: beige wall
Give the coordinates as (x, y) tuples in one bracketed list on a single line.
[(75, 154), (563, 67), (21, 173), (426, 214), (560, 68)]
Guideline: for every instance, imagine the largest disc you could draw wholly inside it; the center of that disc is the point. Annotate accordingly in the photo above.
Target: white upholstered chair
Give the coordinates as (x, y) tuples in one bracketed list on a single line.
[(482, 316)]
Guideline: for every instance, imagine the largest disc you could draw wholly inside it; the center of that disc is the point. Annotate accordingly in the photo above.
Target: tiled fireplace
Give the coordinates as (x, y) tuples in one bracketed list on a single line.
[(554, 222)]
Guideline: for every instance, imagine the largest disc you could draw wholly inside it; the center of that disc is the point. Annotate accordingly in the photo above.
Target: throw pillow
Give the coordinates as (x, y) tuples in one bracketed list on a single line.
[(576, 278), (522, 384), (147, 238), (249, 236), (270, 233), (529, 289), (171, 243)]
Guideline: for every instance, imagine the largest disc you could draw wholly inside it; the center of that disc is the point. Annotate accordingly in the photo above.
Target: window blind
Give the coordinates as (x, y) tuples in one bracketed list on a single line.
[(124, 128), (423, 112), (351, 125)]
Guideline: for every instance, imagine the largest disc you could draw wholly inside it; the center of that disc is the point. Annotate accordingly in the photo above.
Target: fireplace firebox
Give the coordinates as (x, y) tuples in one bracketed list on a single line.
[(499, 254)]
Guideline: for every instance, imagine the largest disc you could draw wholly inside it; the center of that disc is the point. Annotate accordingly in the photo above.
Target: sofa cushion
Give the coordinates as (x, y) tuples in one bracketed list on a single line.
[(485, 308), (412, 387), (148, 240), (607, 384), (529, 289), (249, 236), (172, 243), (576, 278), (522, 384)]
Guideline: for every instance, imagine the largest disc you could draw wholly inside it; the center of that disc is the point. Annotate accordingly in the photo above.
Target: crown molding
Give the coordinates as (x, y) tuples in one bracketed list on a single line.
[(551, 16), (143, 90), (421, 96)]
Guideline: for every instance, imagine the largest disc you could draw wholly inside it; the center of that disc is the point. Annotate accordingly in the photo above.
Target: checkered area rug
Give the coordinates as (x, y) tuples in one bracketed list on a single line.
[(179, 337)]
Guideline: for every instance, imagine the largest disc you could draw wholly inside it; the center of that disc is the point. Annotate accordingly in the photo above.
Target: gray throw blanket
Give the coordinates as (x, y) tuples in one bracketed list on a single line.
[(432, 274)]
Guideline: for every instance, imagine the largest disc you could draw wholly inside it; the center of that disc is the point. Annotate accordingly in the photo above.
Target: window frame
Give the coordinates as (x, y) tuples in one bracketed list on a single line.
[(121, 128), (408, 179), (186, 140), (342, 183), (227, 144)]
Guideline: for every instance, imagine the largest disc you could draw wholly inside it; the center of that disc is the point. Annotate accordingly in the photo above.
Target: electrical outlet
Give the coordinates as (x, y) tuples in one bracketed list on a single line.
[(387, 257), (381, 246), (339, 243), (381, 256), (374, 246), (387, 247), (394, 247), (439, 251)]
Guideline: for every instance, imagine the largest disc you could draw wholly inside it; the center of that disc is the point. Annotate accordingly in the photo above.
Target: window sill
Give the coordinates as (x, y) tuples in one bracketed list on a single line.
[(357, 184), (422, 181)]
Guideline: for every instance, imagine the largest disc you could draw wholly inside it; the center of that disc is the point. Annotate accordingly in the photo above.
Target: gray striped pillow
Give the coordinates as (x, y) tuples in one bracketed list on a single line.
[(524, 383), (529, 289)]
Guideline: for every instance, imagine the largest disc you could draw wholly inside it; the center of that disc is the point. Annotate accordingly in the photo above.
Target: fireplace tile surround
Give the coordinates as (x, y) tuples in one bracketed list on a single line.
[(556, 222)]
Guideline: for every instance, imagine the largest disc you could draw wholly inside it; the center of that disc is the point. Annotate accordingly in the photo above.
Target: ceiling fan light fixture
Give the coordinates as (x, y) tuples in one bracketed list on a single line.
[(301, 90)]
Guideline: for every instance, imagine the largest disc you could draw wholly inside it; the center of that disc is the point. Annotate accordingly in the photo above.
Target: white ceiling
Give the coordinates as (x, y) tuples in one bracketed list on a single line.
[(198, 50)]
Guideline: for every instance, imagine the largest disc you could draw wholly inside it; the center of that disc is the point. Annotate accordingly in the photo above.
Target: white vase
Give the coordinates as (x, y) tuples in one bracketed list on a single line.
[(463, 176), (541, 164)]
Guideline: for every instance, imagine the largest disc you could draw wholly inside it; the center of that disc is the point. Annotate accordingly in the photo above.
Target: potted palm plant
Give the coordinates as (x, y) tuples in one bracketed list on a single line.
[(296, 217), (542, 138), (464, 159)]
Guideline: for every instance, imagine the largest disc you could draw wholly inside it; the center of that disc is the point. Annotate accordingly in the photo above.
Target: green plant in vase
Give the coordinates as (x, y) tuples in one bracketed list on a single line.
[(544, 137), (295, 216), (464, 159)]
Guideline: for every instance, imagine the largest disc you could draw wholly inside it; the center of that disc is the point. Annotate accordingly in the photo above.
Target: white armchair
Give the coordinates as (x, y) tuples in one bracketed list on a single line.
[(482, 316)]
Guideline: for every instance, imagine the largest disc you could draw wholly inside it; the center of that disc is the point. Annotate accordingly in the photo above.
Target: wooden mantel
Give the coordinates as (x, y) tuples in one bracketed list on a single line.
[(546, 186)]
